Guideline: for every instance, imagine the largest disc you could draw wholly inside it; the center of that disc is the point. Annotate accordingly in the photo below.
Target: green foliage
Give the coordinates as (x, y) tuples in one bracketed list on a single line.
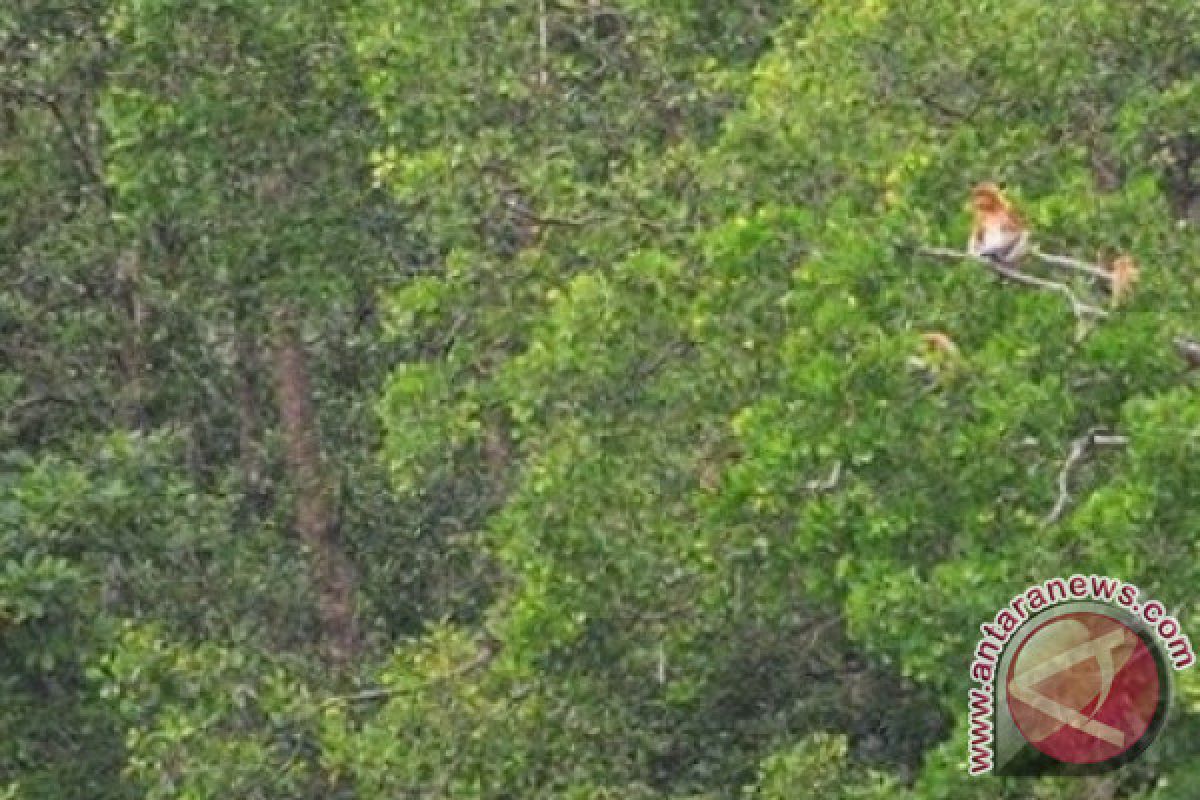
[(219, 721), (818, 764), (615, 312)]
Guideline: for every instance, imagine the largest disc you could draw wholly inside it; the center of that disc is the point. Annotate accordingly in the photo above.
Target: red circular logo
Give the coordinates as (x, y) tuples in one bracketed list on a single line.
[(1083, 688)]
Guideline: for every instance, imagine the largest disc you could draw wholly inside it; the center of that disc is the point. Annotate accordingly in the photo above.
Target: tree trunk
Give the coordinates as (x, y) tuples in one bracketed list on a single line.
[(133, 353), (315, 514), (250, 448)]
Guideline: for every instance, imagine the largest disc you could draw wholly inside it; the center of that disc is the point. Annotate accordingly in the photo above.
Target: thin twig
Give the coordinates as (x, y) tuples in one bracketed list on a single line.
[(1078, 307), (518, 206), (83, 159), (1073, 263), (648, 368), (1079, 450), (487, 651)]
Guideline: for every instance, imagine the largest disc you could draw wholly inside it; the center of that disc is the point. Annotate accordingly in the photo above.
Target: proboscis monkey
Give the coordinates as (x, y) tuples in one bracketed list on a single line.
[(939, 360), (998, 233), (1123, 274), (938, 342)]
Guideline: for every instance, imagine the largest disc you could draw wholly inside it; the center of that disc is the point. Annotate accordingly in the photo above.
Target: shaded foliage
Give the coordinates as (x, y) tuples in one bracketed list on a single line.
[(616, 407)]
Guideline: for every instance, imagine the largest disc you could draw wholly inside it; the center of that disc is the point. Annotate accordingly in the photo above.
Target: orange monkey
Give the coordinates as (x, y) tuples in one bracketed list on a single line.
[(998, 233), (1124, 274)]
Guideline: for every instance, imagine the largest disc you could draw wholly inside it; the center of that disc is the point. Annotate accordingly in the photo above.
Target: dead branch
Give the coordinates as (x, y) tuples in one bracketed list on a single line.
[(543, 44), (1072, 263), (826, 484), (1079, 308), (1080, 449)]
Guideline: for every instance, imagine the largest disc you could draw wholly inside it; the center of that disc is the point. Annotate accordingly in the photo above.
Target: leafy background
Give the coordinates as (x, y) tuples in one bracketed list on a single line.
[(593, 299)]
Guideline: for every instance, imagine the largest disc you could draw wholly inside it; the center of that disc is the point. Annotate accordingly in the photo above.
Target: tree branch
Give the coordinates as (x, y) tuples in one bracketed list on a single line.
[(543, 45), (1072, 263), (1078, 307), (822, 485), (1080, 448), (489, 648), (83, 158), (26, 403)]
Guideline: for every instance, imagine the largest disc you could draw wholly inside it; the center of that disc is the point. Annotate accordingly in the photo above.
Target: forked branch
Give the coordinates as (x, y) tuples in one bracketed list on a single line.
[(1080, 449), (822, 485), (1079, 308)]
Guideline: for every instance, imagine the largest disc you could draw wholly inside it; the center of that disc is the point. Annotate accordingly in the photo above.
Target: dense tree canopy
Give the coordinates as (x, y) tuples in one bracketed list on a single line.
[(534, 400)]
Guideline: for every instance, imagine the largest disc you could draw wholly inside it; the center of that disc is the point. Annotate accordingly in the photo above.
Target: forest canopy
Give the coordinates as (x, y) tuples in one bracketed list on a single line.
[(566, 399)]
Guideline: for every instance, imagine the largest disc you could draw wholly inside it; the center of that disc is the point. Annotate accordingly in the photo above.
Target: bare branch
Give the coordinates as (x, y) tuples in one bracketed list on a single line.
[(826, 484), (1079, 308), (1080, 448), (1109, 440), (543, 44), (1073, 263)]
